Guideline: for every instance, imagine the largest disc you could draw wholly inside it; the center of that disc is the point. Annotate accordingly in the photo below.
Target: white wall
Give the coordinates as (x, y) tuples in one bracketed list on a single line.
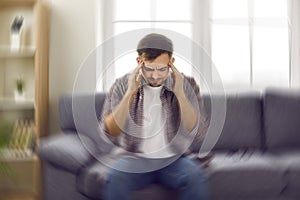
[(72, 37)]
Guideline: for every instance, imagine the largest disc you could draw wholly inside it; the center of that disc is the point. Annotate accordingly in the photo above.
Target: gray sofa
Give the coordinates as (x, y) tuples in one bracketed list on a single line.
[(257, 156)]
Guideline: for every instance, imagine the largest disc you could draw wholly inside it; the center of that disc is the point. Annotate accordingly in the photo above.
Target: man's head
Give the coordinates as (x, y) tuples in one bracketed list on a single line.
[(155, 51)]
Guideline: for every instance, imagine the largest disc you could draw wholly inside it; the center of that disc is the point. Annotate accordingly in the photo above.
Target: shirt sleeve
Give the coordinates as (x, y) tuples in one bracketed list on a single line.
[(192, 91), (113, 98)]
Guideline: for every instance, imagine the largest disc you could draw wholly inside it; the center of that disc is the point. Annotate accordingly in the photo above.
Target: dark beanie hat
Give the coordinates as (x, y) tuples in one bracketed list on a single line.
[(156, 41)]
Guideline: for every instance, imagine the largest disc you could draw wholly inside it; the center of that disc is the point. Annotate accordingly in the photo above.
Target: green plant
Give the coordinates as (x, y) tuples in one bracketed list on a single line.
[(5, 134), (20, 83)]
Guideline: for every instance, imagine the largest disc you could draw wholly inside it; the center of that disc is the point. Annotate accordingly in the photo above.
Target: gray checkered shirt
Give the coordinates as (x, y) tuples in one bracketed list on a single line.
[(179, 139)]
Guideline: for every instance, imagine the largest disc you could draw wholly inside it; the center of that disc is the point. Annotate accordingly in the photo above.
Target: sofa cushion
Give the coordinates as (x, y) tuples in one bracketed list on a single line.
[(243, 174), (253, 198), (89, 103), (239, 175), (243, 120), (290, 161), (294, 179), (58, 184), (81, 113), (282, 118), (66, 151), (91, 182)]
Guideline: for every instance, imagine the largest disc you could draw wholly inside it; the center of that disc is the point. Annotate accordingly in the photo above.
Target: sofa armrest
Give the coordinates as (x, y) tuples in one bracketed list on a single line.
[(69, 151)]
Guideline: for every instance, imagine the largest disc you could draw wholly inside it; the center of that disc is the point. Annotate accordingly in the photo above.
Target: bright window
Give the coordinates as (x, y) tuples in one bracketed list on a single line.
[(250, 43), (173, 15)]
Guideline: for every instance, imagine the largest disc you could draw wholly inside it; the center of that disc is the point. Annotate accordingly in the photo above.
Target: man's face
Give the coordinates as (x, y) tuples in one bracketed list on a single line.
[(155, 72)]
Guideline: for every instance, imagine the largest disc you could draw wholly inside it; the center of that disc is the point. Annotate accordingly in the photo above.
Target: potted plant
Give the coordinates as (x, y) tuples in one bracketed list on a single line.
[(20, 89)]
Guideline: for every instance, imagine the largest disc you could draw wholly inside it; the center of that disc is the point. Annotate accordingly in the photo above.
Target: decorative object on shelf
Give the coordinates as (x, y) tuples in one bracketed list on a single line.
[(22, 143), (20, 89), (16, 31), (5, 134)]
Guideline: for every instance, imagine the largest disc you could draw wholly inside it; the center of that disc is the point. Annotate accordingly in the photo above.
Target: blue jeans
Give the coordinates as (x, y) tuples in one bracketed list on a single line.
[(183, 174)]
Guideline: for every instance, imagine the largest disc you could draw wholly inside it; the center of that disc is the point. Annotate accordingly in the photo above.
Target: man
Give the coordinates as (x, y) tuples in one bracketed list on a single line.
[(155, 112)]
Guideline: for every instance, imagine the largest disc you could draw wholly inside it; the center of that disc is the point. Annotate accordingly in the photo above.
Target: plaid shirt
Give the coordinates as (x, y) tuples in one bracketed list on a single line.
[(179, 139)]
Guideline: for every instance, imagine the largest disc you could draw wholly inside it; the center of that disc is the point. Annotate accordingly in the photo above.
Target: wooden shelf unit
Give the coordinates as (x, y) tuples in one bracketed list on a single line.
[(31, 62)]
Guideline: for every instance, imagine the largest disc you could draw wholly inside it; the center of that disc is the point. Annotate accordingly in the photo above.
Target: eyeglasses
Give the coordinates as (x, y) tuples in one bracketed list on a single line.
[(151, 68)]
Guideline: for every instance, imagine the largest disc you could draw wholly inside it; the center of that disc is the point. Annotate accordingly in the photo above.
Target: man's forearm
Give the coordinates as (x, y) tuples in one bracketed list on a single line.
[(116, 120), (188, 114)]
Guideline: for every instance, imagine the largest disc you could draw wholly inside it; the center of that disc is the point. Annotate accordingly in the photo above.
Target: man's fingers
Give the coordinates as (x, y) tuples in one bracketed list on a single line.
[(172, 66), (174, 69), (136, 70), (173, 76), (139, 78), (137, 73)]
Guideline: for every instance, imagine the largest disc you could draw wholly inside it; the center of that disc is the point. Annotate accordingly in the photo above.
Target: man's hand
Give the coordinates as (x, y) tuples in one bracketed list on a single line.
[(135, 79), (178, 81), (188, 114), (115, 122)]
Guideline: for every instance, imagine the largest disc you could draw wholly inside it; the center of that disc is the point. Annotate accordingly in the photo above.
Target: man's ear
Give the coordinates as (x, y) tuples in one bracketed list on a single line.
[(138, 59), (172, 60)]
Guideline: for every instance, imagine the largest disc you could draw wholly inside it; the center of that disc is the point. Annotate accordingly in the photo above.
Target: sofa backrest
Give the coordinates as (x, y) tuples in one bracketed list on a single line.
[(282, 118), (243, 121), (271, 121), (242, 128), (80, 114), (86, 104)]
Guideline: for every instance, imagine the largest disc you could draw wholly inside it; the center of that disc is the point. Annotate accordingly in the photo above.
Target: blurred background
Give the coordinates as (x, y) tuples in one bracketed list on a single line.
[(252, 43), (249, 44)]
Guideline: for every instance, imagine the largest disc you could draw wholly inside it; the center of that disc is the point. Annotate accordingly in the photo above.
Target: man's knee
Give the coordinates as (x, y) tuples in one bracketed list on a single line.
[(198, 175), (193, 177), (117, 176), (119, 171)]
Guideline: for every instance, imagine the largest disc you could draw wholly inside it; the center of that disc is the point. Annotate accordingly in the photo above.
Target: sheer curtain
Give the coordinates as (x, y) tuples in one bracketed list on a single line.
[(252, 43), (294, 23), (202, 12), (186, 17)]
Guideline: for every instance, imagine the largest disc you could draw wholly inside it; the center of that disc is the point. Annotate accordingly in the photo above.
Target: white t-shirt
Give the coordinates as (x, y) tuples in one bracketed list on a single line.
[(154, 137)]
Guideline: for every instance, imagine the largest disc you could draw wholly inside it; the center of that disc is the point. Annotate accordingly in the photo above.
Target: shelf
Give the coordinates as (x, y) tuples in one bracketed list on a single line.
[(13, 155), (7, 104), (17, 2), (31, 61), (6, 195), (24, 52)]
